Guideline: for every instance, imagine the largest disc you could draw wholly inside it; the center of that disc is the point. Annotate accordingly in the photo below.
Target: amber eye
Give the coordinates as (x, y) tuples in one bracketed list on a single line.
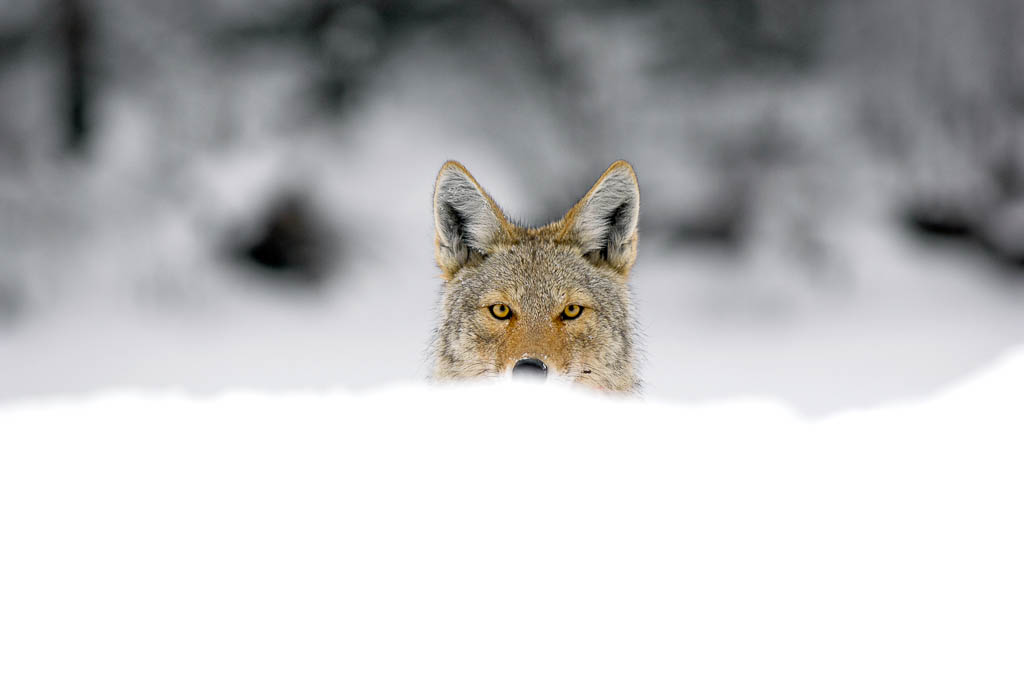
[(571, 311), (500, 311)]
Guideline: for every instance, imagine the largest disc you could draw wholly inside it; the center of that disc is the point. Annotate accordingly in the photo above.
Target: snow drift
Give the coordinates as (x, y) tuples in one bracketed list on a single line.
[(504, 532)]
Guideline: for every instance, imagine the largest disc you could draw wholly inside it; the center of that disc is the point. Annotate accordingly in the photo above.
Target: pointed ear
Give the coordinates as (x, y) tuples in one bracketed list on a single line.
[(467, 222), (604, 222)]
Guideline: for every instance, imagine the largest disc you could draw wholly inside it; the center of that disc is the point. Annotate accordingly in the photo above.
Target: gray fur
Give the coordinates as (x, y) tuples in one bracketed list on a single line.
[(606, 224), (537, 272), (463, 217)]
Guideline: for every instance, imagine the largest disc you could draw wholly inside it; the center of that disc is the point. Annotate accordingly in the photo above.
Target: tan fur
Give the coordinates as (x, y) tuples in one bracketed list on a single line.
[(583, 258)]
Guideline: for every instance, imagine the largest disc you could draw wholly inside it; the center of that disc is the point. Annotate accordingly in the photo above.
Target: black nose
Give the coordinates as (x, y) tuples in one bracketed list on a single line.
[(530, 368)]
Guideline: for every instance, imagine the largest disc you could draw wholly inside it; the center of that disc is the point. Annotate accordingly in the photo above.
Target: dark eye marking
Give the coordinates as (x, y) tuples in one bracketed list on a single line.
[(571, 311)]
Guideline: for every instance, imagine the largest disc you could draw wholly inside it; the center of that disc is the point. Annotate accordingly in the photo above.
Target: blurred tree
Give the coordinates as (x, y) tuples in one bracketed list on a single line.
[(75, 40), (943, 88), (13, 40), (291, 240), (350, 39), (712, 39)]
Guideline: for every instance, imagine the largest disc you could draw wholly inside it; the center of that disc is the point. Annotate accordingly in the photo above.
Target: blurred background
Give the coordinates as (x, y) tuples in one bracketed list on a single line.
[(219, 194)]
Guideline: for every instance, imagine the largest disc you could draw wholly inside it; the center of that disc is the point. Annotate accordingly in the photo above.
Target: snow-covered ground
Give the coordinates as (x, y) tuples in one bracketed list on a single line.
[(207, 472), (508, 532)]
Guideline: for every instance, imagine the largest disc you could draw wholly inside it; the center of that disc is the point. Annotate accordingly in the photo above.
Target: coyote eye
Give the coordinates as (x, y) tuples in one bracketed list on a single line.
[(500, 311), (571, 311)]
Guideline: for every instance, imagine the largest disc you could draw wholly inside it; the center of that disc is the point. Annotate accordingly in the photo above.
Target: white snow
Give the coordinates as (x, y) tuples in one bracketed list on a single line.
[(506, 532)]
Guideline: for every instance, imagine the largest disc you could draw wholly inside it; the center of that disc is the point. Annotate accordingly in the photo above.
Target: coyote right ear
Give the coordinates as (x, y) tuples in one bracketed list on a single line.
[(467, 222), (603, 223)]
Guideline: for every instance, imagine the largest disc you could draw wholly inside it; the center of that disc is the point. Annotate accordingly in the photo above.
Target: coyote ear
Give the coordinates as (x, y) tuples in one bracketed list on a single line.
[(604, 222), (467, 222)]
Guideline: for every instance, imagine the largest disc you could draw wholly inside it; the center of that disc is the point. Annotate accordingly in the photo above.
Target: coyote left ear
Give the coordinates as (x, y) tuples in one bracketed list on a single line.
[(604, 222), (467, 222)]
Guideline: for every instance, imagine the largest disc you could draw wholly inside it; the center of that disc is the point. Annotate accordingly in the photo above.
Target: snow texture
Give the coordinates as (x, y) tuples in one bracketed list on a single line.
[(506, 532)]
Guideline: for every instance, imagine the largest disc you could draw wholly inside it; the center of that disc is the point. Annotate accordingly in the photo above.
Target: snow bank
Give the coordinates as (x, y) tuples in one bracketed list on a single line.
[(503, 532)]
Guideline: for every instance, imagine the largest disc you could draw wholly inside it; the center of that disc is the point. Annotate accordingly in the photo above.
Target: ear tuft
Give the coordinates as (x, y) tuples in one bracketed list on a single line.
[(467, 222), (604, 222)]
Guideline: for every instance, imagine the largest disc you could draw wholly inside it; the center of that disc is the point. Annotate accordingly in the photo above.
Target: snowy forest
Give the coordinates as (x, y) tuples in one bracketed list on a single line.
[(222, 194), (221, 455)]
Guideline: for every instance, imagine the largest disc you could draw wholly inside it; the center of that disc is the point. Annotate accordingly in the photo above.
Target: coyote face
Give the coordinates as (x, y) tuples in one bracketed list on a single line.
[(546, 302)]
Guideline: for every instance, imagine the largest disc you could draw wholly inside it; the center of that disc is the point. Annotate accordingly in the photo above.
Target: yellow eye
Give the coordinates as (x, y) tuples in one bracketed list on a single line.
[(500, 311), (571, 311)]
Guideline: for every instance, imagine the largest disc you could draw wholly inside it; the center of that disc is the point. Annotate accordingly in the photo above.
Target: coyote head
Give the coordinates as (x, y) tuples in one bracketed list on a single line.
[(547, 302)]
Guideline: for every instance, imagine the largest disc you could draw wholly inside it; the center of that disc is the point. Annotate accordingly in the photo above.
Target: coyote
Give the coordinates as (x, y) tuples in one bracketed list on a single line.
[(544, 302)]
